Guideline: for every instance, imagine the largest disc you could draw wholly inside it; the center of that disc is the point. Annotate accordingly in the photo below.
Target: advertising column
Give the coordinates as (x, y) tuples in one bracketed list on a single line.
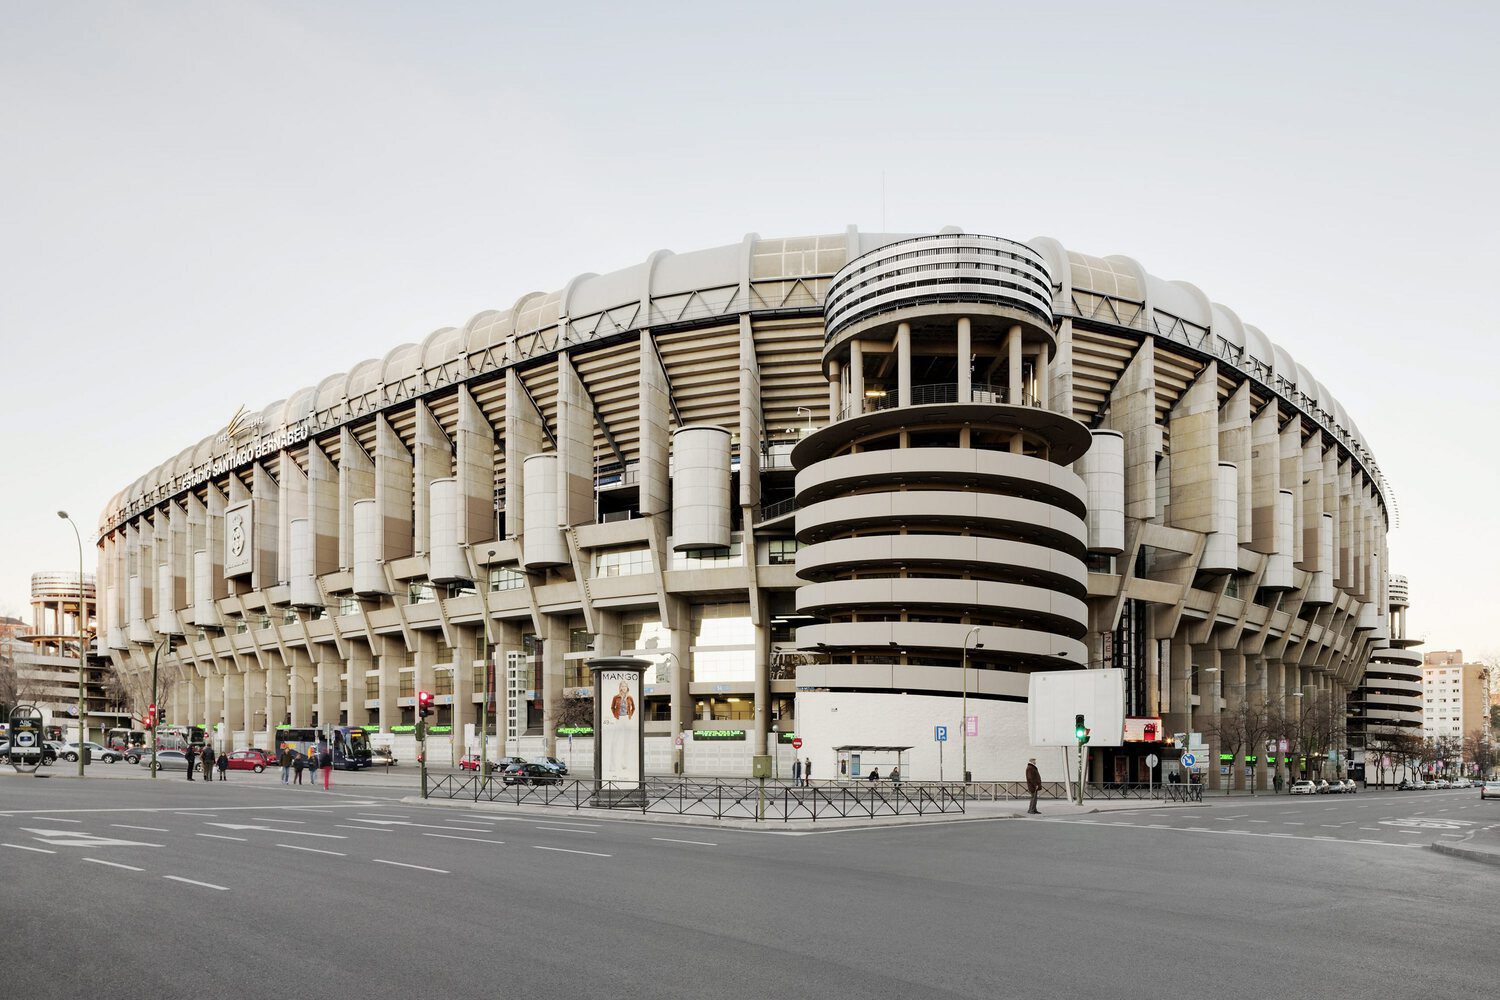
[(619, 737)]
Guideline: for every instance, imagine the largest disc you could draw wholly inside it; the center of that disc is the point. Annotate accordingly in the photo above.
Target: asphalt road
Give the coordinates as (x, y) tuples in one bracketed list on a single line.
[(247, 889)]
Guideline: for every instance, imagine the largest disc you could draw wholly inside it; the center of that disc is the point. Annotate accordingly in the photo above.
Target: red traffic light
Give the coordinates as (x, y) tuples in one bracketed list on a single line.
[(424, 704)]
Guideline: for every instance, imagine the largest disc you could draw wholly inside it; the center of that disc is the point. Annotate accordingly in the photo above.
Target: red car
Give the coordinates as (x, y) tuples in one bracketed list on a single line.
[(250, 760)]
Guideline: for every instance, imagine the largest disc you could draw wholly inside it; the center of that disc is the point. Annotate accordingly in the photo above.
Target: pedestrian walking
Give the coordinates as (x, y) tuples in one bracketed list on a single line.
[(286, 765), (1033, 784), (327, 762), (312, 766), (208, 762), (192, 760), (807, 773), (1276, 782), (297, 766), (222, 764), (797, 772)]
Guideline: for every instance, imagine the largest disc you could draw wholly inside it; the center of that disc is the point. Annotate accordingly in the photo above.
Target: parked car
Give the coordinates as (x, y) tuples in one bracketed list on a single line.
[(167, 760), (1349, 786), (1462, 783), (1304, 787), (97, 751), (552, 763), (250, 760), (530, 774), (49, 755), (471, 763), (1489, 789), (1438, 783)]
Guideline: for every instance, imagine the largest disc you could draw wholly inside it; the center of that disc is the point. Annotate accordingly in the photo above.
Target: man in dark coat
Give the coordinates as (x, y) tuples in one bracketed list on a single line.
[(208, 762), (1033, 783), (192, 760)]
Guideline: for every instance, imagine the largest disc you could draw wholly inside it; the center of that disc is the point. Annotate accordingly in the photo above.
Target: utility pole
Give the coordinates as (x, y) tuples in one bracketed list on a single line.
[(82, 648)]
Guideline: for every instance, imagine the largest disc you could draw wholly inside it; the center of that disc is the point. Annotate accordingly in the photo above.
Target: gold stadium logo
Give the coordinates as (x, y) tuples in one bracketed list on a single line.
[(242, 423)]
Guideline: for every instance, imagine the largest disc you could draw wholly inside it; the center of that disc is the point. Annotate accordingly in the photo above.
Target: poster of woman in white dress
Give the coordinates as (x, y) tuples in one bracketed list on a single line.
[(620, 740)]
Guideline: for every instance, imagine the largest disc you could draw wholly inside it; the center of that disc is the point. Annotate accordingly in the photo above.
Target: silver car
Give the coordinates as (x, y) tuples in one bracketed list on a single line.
[(169, 760)]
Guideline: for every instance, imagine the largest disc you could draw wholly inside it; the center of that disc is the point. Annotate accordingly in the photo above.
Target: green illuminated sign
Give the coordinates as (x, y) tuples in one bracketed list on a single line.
[(403, 729), (718, 734), (441, 730), (575, 730), (786, 737)]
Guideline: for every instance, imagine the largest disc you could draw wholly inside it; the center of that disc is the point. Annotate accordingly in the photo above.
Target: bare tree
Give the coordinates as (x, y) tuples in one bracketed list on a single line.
[(15, 688), (1479, 750)]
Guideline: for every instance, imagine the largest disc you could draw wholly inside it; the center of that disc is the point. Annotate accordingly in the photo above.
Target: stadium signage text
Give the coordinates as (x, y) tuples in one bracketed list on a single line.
[(282, 437)]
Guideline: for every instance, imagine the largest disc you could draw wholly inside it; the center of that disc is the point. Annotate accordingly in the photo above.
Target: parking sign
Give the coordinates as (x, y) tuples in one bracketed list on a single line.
[(940, 734)]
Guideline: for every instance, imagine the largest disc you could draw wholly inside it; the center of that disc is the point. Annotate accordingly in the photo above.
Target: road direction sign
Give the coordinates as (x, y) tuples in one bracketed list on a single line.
[(796, 743), (1188, 760), (1152, 760), (940, 734)]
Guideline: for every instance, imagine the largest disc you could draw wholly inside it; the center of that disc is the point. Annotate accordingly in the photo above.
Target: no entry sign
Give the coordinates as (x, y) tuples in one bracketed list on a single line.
[(797, 743)]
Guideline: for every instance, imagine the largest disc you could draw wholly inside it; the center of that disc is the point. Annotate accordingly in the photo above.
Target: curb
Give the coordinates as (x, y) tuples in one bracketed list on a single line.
[(1483, 857)]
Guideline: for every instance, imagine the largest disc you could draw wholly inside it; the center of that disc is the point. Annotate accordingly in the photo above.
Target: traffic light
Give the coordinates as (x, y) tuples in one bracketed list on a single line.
[(424, 704), (1080, 731), (151, 716)]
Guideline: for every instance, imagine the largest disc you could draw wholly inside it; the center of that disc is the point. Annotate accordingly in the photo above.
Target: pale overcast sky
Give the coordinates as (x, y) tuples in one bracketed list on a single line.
[(204, 204)]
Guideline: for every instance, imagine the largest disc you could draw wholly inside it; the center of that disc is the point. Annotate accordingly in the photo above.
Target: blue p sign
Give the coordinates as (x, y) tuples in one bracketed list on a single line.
[(940, 734)]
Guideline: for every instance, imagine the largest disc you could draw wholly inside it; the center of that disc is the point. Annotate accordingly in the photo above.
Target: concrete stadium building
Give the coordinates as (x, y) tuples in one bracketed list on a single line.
[(829, 485)]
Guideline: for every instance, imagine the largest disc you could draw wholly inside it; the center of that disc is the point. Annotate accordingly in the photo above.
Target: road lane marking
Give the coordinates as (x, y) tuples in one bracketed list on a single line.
[(189, 881), (273, 819), (196, 814), (564, 850), (313, 850), (1260, 821), (115, 864), (697, 843), (23, 847), (54, 819), (403, 864), (449, 836), (153, 829), (424, 826), (284, 833), (382, 816), (564, 829), (220, 836), (77, 838), (366, 829), (1290, 823)]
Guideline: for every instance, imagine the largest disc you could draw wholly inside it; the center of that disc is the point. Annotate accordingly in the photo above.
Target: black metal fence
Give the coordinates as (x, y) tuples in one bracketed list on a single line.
[(716, 798)]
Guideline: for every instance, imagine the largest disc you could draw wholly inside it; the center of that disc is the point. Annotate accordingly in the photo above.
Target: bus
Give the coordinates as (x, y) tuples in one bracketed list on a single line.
[(125, 739), (350, 745), (178, 737)]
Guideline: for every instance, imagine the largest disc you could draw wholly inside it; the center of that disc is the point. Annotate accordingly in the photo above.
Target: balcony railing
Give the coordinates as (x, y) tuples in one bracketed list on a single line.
[(937, 393)]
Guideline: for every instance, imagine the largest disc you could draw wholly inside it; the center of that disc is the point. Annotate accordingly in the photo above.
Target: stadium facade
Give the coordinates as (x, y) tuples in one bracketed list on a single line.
[(835, 485)]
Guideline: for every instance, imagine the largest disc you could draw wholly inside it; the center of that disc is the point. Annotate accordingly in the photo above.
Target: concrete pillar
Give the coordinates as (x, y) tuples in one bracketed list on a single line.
[(554, 676), (254, 699), (762, 678), (235, 727), (392, 658), (856, 377), (835, 402), (328, 694), (965, 355), (680, 643), (903, 364), (301, 679), (1014, 389)]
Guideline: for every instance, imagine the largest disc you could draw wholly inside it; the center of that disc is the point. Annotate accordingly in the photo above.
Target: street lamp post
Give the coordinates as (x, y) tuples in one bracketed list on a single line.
[(965, 730), (82, 652), (484, 704), (671, 682)]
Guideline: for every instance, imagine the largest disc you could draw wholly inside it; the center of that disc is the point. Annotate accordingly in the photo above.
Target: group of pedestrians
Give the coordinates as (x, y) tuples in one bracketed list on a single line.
[(801, 773), (205, 759), (293, 764)]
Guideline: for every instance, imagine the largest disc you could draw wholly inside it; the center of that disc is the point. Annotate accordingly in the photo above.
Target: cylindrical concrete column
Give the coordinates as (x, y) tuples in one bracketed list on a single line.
[(1013, 355), (446, 562), (303, 583), (700, 487), (1221, 551), (835, 400), (903, 364), (205, 612), (1278, 574), (1103, 471), (542, 542), (369, 578), (965, 359), (856, 378)]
